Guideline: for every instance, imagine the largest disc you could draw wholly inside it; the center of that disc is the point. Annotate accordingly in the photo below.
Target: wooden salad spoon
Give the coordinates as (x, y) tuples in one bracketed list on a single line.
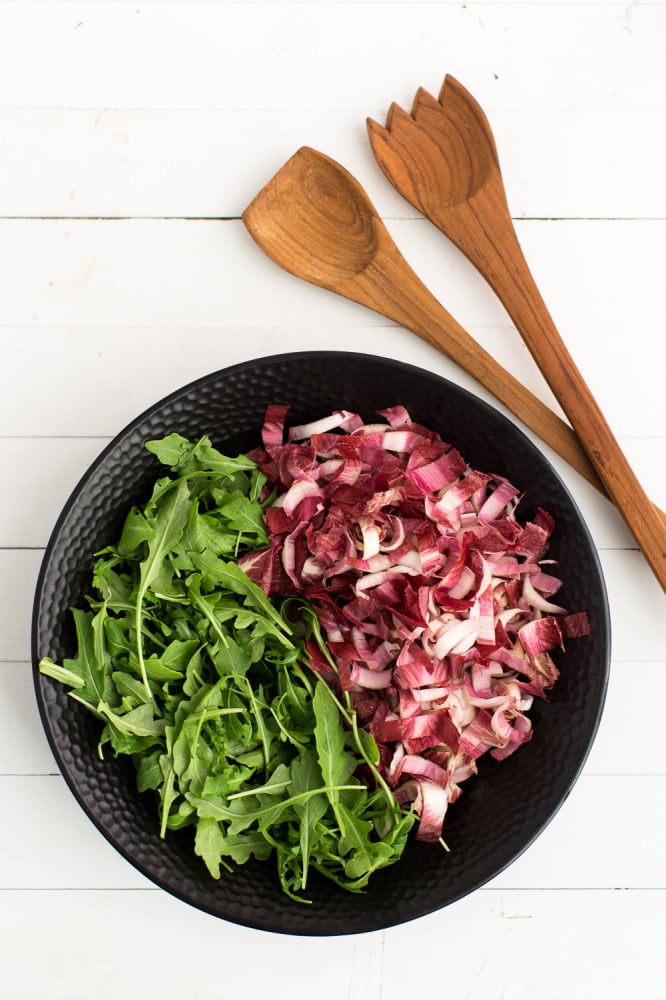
[(315, 220), (442, 158)]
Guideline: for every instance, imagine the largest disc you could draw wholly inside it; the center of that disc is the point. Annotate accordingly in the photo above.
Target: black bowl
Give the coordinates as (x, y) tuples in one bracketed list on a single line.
[(501, 811)]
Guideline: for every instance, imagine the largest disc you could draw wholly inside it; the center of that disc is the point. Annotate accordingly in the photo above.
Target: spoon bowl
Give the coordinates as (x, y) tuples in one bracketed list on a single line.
[(315, 220), (325, 204)]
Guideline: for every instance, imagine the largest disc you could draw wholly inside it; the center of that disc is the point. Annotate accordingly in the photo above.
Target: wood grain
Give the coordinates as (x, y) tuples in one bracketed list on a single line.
[(443, 159), (315, 221)]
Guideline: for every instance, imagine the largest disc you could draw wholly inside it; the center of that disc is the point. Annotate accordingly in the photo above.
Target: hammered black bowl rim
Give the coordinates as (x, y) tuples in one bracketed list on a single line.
[(190, 387)]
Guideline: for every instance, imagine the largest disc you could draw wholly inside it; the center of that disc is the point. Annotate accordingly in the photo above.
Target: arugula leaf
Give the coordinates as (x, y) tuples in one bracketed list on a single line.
[(337, 765), (244, 517), (138, 721), (90, 686), (129, 688), (186, 457), (136, 530), (209, 844), (305, 777), (206, 532), (58, 673), (168, 524), (114, 588), (149, 771), (365, 854), (206, 684), (178, 654), (218, 573)]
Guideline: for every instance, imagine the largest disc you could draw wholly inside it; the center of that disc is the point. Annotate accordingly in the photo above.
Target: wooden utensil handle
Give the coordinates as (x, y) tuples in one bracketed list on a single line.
[(390, 287), (512, 280)]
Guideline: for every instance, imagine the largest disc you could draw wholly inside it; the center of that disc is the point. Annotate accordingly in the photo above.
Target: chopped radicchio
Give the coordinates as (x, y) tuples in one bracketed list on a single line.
[(433, 598)]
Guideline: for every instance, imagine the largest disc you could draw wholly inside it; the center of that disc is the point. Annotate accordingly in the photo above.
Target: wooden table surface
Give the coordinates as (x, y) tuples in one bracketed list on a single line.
[(133, 135)]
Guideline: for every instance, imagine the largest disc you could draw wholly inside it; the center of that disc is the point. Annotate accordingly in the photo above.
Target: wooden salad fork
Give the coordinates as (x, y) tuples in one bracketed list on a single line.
[(442, 158), (315, 220)]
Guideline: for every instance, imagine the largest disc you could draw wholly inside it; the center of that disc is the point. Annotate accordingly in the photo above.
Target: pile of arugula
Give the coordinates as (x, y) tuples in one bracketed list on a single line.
[(206, 684)]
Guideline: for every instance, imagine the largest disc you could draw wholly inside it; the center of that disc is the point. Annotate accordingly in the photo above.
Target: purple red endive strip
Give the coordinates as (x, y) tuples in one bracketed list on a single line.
[(436, 602)]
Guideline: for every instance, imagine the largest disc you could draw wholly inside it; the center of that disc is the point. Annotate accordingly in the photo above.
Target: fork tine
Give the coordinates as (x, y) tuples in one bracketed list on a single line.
[(424, 99), (395, 116), (401, 121), (380, 138), (459, 104), (391, 160), (379, 135), (451, 86)]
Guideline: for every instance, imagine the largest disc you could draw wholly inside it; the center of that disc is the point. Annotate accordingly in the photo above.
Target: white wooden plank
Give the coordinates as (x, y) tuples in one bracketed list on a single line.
[(209, 163), (587, 842), (24, 750), (23, 746), (612, 753), (520, 946), (537, 946), (145, 272), (102, 368), (31, 502), (476, 6), (584, 846), (18, 578), (204, 274), (65, 849), (45, 372), (317, 56), (635, 598), (607, 526), (200, 273)]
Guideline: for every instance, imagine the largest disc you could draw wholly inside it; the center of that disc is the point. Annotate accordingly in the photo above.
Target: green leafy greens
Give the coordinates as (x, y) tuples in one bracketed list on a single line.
[(205, 682)]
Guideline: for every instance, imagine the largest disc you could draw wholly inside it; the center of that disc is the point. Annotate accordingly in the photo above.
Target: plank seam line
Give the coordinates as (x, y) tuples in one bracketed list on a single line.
[(238, 218)]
